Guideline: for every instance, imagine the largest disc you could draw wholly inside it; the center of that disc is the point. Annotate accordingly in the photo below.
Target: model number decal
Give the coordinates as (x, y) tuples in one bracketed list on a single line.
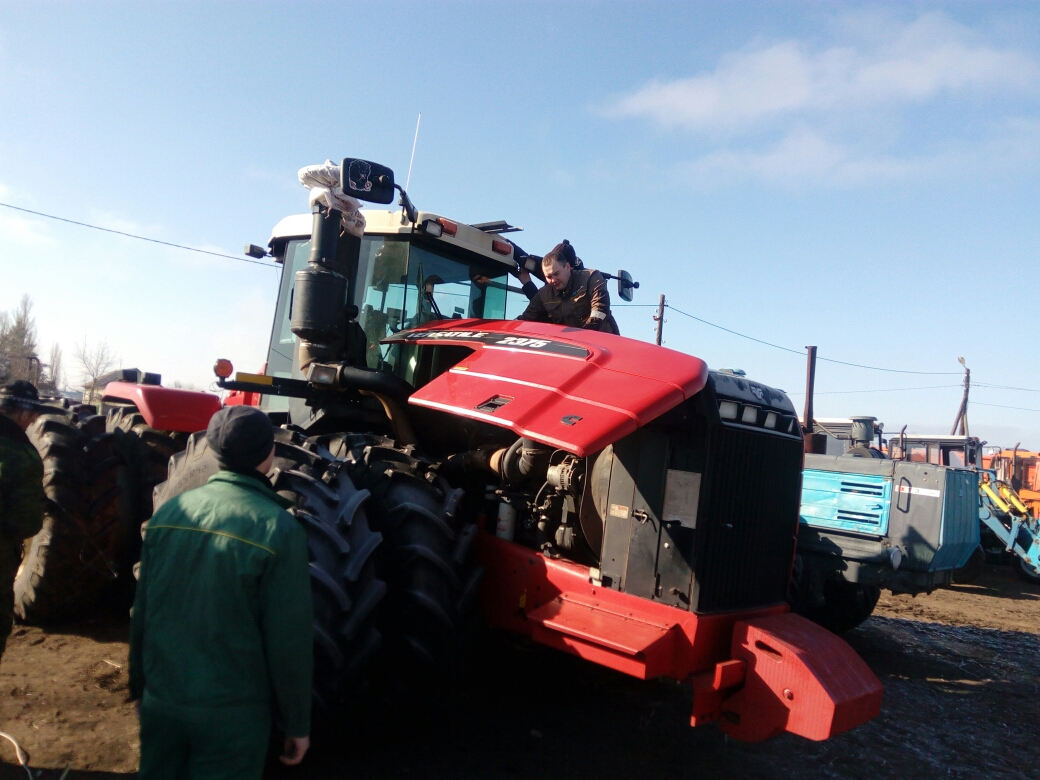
[(491, 339), (516, 341)]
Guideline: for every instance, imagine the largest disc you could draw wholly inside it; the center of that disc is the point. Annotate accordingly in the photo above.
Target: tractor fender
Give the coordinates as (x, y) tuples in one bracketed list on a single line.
[(166, 408)]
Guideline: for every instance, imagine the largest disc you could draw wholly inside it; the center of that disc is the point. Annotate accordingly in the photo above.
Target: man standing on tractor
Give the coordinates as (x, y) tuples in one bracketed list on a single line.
[(21, 489), (571, 296), (221, 627)]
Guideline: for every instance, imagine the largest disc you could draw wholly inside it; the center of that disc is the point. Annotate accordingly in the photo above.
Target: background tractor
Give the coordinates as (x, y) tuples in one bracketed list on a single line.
[(1008, 525), (871, 522), (602, 496), (101, 462)]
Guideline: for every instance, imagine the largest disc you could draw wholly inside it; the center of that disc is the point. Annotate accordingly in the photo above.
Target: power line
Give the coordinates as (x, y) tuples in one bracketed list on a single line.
[(1007, 387), (802, 351), (139, 238), (735, 333), (891, 370), (885, 390), (1000, 406)]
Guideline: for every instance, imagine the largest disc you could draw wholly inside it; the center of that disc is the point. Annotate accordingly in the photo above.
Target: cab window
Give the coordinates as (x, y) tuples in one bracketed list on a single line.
[(404, 285)]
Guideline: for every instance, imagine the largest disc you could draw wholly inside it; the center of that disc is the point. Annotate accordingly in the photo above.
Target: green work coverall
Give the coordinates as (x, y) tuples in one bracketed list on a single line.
[(221, 630), (21, 511)]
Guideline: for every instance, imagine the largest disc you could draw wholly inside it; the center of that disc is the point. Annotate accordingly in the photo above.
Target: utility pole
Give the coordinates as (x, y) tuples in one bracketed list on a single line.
[(814, 442), (962, 413), (659, 319)]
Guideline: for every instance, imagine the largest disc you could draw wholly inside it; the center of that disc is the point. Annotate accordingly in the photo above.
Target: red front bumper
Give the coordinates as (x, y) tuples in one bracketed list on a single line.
[(758, 673)]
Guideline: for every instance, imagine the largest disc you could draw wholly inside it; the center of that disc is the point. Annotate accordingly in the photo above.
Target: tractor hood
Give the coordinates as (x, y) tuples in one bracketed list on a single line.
[(575, 389)]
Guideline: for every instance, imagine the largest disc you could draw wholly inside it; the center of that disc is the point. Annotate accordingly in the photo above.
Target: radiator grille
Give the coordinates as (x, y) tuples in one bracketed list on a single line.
[(748, 520)]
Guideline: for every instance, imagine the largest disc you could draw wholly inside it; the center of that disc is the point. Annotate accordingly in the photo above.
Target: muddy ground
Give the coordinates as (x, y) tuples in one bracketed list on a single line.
[(961, 670)]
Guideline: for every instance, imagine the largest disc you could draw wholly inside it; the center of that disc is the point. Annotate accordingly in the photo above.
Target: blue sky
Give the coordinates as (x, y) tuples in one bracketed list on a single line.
[(859, 177)]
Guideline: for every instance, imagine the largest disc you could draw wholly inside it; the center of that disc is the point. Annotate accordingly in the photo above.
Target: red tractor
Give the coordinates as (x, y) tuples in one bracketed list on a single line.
[(603, 496)]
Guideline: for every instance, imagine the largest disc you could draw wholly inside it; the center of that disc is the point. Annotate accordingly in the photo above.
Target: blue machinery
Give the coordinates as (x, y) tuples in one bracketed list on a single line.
[(1004, 513)]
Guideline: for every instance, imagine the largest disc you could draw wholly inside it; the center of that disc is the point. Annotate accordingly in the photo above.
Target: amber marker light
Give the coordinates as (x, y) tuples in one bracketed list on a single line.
[(223, 368)]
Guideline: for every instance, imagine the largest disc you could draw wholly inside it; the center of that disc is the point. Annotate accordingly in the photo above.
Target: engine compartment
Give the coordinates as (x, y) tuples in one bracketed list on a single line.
[(691, 510)]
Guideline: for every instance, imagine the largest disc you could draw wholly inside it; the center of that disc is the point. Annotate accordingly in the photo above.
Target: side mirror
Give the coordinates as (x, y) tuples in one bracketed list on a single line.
[(366, 180), (625, 286)]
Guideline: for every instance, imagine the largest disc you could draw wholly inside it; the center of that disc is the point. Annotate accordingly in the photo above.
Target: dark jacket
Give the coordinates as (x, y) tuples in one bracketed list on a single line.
[(583, 303), (222, 621), (21, 485)]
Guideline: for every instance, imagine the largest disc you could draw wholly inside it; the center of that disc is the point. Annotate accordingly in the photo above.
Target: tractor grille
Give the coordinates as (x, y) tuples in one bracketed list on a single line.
[(748, 520)]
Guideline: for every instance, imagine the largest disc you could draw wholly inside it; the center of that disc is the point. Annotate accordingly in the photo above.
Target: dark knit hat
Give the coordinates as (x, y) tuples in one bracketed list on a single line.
[(241, 437), (22, 395), (563, 253)]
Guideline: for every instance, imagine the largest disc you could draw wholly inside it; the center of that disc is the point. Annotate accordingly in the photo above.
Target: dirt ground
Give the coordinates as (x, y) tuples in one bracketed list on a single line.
[(961, 670)]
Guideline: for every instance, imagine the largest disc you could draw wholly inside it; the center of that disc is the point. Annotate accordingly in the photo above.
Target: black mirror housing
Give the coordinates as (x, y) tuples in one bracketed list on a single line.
[(625, 286), (366, 180)]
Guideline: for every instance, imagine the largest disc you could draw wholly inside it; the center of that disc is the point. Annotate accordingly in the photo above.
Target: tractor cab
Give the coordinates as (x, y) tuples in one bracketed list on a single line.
[(405, 275), (344, 295), (957, 451)]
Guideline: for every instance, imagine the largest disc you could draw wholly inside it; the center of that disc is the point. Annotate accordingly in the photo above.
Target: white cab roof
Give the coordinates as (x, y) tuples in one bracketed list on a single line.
[(383, 222)]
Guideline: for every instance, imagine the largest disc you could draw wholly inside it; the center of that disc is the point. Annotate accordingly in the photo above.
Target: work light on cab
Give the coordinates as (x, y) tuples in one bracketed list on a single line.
[(223, 368)]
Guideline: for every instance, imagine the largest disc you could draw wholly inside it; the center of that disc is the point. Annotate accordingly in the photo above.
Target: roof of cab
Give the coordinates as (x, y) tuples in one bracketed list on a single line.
[(384, 222)]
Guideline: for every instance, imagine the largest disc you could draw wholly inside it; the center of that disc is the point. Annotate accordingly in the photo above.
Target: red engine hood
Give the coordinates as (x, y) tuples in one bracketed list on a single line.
[(575, 389), (167, 408)]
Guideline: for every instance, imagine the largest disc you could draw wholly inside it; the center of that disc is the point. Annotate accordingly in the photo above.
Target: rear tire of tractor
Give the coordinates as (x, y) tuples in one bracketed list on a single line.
[(1026, 572), (426, 561), (340, 543), (70, 568)]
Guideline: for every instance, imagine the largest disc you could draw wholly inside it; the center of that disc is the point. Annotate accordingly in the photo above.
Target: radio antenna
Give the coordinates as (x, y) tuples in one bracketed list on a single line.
[(415, 140)]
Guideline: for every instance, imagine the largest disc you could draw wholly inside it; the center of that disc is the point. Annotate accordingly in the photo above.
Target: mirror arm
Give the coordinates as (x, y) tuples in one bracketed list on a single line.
[(624, 282), (405, 202)]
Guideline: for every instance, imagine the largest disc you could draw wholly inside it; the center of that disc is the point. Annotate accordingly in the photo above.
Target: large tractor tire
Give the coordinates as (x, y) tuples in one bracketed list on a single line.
[(341, 545), (147, 453), (426, 559), (845, 604), (70, 568)]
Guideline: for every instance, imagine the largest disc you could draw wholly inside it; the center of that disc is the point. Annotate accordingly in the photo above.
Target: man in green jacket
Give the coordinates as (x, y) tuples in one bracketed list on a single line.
[(221, 629), (21, 489)]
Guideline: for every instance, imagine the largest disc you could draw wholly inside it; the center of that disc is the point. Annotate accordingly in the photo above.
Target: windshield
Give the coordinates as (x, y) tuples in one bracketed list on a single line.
[(399, 285), (405, 285)]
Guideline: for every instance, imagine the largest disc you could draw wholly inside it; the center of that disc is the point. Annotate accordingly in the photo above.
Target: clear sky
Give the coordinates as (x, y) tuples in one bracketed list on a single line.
[(859, 177)]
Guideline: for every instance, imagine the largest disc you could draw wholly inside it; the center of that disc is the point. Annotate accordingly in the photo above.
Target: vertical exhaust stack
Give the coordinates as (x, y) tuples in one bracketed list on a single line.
[(317, 308), (320, 289), (813, 442)]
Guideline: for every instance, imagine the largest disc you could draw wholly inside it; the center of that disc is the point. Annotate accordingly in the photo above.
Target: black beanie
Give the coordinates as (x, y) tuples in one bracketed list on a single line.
[(563, 253), (241, 437)]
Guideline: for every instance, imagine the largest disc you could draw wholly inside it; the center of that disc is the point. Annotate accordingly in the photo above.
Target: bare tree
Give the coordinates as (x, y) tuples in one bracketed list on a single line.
[(5, 348), (55, 369), (93, 362), (18, 356), (188, 386)]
